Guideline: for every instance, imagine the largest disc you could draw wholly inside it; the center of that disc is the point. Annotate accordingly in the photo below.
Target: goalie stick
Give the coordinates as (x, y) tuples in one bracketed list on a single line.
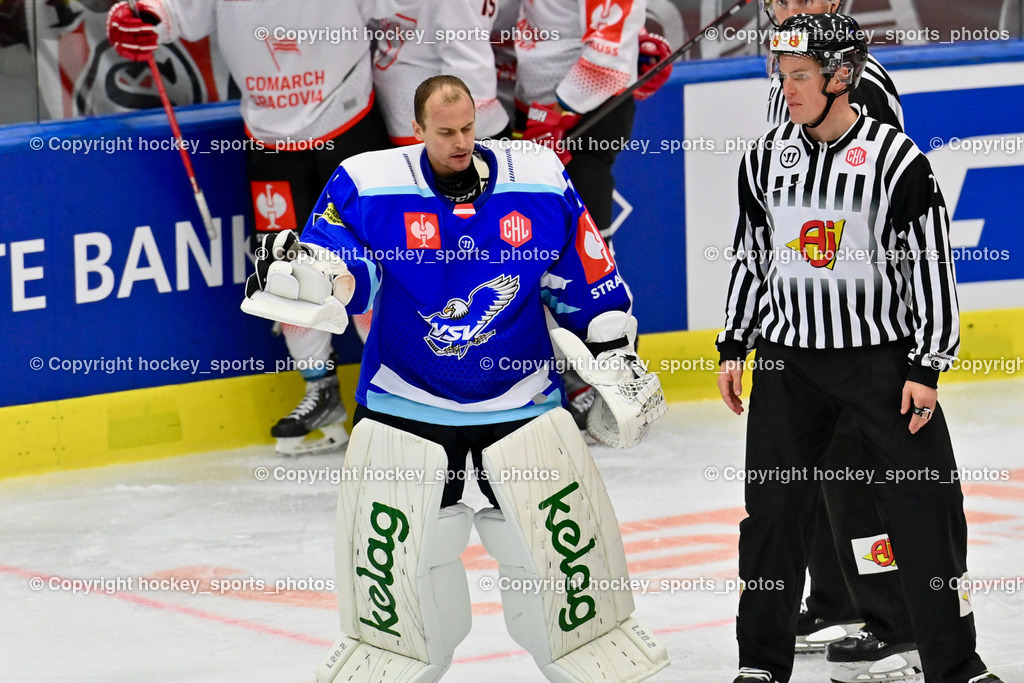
[(628, 92), (204, 210)]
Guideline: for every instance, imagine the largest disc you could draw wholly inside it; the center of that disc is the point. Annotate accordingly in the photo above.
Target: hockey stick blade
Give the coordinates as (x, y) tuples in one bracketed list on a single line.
[(628, 92)]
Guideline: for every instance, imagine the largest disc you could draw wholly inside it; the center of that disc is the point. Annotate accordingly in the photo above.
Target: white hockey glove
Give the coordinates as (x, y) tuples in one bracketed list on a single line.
[(299, 284), (629, 398)]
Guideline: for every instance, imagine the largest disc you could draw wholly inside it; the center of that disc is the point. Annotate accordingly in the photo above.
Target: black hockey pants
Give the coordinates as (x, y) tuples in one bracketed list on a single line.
[(792, 417)]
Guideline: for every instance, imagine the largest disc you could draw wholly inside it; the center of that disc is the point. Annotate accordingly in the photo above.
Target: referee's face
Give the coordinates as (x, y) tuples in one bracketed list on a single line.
[(801, 86), (447, 131)]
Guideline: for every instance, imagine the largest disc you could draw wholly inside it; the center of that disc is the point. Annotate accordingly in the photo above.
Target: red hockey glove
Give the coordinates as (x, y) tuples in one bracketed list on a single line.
[(547, 127), (137, 37), (653, 49)]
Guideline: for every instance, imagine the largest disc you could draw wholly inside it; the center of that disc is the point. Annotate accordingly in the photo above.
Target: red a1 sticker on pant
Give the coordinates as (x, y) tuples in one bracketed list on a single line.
[(873, 554), (593, 252), (273, 206)]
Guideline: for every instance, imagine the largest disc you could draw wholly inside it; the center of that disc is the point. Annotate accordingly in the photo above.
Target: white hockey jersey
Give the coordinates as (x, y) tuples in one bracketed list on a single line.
[(582, 51), (292, 90), (438, 37)]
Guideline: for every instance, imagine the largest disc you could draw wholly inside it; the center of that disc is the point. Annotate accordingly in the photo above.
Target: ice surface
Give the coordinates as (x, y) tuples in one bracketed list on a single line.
[(208, 518)]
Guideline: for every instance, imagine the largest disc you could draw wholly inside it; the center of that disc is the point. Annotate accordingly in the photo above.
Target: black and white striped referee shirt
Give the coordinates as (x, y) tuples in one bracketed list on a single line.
[(875, 96), (842, 244)]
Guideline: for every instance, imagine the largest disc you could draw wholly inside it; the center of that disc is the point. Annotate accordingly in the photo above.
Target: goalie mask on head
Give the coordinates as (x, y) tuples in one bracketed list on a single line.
[(835, 41)]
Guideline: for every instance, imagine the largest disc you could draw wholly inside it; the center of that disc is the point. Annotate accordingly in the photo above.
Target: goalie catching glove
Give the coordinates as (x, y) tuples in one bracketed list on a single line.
[(629, 398), (299, 284)]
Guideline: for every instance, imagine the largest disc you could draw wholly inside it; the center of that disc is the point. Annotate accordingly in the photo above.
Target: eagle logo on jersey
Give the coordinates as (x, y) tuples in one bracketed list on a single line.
[(460, 324), (819, 242)]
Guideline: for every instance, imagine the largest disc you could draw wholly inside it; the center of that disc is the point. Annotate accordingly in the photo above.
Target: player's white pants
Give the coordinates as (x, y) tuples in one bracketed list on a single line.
[(565, 590), (402, 589), (311, 348)]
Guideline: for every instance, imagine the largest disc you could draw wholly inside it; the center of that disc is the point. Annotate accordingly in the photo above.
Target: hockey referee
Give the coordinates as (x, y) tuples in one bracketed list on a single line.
[(859, 618), (844, 282)]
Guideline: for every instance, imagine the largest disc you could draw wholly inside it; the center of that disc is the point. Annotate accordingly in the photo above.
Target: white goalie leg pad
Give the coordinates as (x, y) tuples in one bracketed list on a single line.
[(403, 596), (558, 535)]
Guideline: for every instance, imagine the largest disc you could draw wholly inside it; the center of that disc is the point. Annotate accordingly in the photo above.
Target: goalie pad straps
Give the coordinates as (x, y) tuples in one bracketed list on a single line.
[(402, 589), (557, 534)]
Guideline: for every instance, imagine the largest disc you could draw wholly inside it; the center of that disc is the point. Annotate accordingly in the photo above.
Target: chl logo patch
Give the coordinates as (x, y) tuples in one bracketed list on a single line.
[(421, 231), (819, 242), (516, 229), (272, 204), (856, 156)]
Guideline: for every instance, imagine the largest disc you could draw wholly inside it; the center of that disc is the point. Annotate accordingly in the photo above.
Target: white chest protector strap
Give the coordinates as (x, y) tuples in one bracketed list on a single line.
[(558, 535), (402, 589)]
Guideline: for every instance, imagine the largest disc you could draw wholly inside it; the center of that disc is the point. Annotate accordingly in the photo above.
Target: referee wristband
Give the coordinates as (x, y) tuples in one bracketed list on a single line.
[(923, 375)]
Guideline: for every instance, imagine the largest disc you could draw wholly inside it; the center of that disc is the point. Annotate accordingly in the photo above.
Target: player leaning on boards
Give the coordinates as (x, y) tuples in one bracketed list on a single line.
[(855, 607), (848, 293), (458, 360)]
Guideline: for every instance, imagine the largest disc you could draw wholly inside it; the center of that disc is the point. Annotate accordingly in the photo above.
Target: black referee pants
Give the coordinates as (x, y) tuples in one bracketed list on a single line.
[(839, 590), (797, 398)]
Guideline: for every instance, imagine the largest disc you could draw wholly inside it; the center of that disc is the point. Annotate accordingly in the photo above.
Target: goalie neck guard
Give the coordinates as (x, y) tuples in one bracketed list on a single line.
[(835, 41)]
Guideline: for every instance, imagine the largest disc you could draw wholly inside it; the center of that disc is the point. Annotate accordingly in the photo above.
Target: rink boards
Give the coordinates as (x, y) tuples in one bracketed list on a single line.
[(122, 335)]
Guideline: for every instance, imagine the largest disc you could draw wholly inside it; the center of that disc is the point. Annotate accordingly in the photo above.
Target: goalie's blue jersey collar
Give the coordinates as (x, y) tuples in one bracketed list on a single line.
[(492, 167)]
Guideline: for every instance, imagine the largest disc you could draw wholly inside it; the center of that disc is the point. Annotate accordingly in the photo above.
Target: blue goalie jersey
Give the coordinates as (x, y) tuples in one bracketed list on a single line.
[(458, 291)]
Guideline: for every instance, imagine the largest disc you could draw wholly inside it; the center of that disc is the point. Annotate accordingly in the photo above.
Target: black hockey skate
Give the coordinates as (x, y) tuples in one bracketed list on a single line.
[(321, 409), (748, 675), (863, 657), (813, 634)]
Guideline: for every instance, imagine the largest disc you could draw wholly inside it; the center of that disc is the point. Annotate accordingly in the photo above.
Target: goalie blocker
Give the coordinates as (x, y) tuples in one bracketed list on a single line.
[(402, 589), (298, 284)]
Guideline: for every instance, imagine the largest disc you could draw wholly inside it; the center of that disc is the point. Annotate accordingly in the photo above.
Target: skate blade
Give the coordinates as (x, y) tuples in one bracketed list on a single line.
[(815, 643), (904, 666), (332, 440)]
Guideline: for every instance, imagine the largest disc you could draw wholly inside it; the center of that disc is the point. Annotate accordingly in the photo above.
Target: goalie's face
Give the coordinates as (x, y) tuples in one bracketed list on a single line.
[(449, 126)]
